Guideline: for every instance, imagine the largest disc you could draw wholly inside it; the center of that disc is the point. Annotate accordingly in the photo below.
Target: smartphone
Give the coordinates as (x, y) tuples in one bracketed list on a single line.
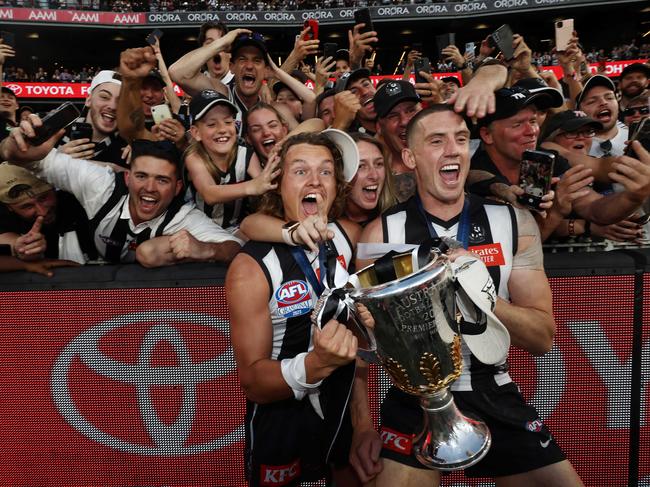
[(362, 16), (160, 113), (8, 38), (470, 48), (642, 220), (312, 35), (53, 122), (421, 64), (156, 34), (563, 33), (444, 40), (535, 176), (329, 50), (641, 132), (501, 39), (81, 130)]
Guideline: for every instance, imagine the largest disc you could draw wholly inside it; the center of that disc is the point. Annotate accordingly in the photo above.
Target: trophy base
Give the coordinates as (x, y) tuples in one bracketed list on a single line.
[(449, 441)]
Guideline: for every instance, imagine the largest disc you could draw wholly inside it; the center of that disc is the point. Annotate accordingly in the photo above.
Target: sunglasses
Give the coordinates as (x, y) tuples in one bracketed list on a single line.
[(256, 36), (628, 112), (579, 133)]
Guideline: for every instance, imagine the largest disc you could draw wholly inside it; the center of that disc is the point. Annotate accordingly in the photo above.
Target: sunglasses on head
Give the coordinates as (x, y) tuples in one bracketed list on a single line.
[(628, 112), (256, 36), (586, 133)]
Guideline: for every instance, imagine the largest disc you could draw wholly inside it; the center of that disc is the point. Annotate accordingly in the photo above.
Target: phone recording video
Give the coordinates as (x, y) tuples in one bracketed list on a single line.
[(563, 34), (312, 33), (81, 130), (638, 131), (362, 16), (444, 40), (501, 39), (154, 36), (53, 122), (421, 64), (535, 176), (8, 38)]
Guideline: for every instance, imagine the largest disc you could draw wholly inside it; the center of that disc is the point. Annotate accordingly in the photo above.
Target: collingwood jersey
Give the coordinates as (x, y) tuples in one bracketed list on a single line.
[(292, 297), (230, 214), (493, 236)]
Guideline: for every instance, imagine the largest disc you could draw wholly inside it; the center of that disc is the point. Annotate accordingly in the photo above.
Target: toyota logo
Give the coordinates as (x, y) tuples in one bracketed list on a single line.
[(17, 89), (164, 439)]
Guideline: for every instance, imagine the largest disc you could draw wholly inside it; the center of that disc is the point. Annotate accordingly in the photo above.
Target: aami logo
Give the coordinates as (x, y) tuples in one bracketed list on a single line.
[(490, 254), (272, 475), (294, 298), (396, 441)]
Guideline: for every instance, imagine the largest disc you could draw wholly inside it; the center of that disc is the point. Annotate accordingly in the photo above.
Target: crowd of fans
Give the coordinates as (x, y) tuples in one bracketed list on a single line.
[(255, 169)]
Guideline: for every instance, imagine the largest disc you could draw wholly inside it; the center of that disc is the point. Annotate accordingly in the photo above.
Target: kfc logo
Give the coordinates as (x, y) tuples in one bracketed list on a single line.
[(396, 441), (142, 380), (272, 475)]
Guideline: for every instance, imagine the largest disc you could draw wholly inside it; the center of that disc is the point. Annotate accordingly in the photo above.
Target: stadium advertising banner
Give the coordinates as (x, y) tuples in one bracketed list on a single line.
[(138, 386), (470, 8), (80, 90)]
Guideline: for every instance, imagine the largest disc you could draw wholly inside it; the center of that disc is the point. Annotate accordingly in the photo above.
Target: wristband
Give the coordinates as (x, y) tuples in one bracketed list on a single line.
[(287, 233), (295, 375), (462, 66)]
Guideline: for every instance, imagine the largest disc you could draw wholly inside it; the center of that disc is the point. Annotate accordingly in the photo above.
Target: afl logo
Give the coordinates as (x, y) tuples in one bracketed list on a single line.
[(293, 298)]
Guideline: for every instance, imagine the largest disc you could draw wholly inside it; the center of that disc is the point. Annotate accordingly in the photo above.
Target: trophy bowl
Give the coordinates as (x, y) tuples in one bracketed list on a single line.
[(416, 342)]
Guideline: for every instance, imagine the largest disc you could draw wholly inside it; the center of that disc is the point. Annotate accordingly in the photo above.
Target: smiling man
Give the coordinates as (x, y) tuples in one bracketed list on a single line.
[(598, 100), (138, 215), (297, 378), (360, 84)]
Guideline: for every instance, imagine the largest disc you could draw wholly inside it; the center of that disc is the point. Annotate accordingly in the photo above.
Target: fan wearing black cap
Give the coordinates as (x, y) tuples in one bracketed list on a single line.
[(359, 83), (598, 100), (523, 451), (139, 215), (513, 128), (222, 174), (637, 109), (8, 107), (634, 80)]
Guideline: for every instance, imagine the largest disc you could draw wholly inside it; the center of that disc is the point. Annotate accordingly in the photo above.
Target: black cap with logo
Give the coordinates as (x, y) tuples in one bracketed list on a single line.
[(391, 93)]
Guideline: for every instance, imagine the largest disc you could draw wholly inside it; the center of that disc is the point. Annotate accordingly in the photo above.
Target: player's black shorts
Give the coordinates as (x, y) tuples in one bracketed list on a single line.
[(520, 441), (287, 442)]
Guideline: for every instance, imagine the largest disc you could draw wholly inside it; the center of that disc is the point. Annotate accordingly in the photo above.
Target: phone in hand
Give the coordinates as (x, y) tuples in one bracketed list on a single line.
[(54, 121), (501, 39), (362, 16), (563, 33), (444, 40), (312, 34), (417, 46), (329, 50), (639, 131), (421, 64), (154, 36), (81, 130), (8, 38), (470, 48), (535, 176), (160, 113)]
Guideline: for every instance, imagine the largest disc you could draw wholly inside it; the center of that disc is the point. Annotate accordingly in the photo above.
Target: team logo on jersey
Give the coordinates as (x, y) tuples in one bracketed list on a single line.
[(294, 299), (534, 426), (490, 254), (477, 234)]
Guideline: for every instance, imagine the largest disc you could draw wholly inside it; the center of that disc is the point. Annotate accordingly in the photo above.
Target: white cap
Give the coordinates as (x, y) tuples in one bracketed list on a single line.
[(476, 298), (349, 151), (105, 76)]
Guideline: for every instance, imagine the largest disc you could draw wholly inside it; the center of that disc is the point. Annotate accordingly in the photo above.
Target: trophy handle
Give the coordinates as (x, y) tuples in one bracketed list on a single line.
[(366, 354)]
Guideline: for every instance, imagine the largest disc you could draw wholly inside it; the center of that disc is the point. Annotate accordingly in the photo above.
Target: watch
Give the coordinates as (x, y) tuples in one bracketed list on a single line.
[(287, 232)]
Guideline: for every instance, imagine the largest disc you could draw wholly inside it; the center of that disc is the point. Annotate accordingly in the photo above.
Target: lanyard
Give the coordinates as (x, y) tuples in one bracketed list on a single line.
[(463, 224), (302, 261)]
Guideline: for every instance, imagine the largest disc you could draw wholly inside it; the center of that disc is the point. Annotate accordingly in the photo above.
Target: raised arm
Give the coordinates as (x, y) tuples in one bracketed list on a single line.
[(172, 98), (476, 98)]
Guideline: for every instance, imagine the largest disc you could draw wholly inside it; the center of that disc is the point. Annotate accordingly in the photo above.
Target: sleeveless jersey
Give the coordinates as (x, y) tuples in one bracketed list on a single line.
[(492, 235)]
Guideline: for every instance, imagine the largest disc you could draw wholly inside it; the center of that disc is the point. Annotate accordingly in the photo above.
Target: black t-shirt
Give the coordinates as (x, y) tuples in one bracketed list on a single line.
[(108, 150), (70, 216)]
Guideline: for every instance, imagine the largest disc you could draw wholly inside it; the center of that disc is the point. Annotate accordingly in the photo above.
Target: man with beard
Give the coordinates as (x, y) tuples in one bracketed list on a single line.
[(633, 82), (360, 84), (139, 215), (39, 222), (249, 62), (101, 105), (598, 100)]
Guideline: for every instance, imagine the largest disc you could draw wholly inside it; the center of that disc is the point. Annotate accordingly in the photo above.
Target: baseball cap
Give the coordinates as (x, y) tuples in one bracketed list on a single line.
[(155, 75), (349, 151), (255, 39), (636, 68), (342, 54), (510, 101), (201, 104), (391, 93), (7, 90), (325, 94), (346, 78), (17, 184), (451, 79), (538, 85), (105, 76), (568, 121), (485, 335), (595, 80)]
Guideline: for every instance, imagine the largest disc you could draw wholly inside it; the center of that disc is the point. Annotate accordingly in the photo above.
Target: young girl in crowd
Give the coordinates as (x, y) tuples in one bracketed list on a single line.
[(222, 173), (368, 194)]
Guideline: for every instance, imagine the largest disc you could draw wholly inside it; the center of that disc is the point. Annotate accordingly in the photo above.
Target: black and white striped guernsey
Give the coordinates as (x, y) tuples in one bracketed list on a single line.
[(230, 214), (291, 297), (493, 235)]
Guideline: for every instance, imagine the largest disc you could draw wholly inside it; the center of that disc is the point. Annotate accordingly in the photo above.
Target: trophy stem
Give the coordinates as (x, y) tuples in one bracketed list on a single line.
[(449, 440)]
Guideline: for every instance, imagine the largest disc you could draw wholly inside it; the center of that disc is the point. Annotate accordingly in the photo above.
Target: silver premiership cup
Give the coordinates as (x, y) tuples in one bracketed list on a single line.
[(414, 329)]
